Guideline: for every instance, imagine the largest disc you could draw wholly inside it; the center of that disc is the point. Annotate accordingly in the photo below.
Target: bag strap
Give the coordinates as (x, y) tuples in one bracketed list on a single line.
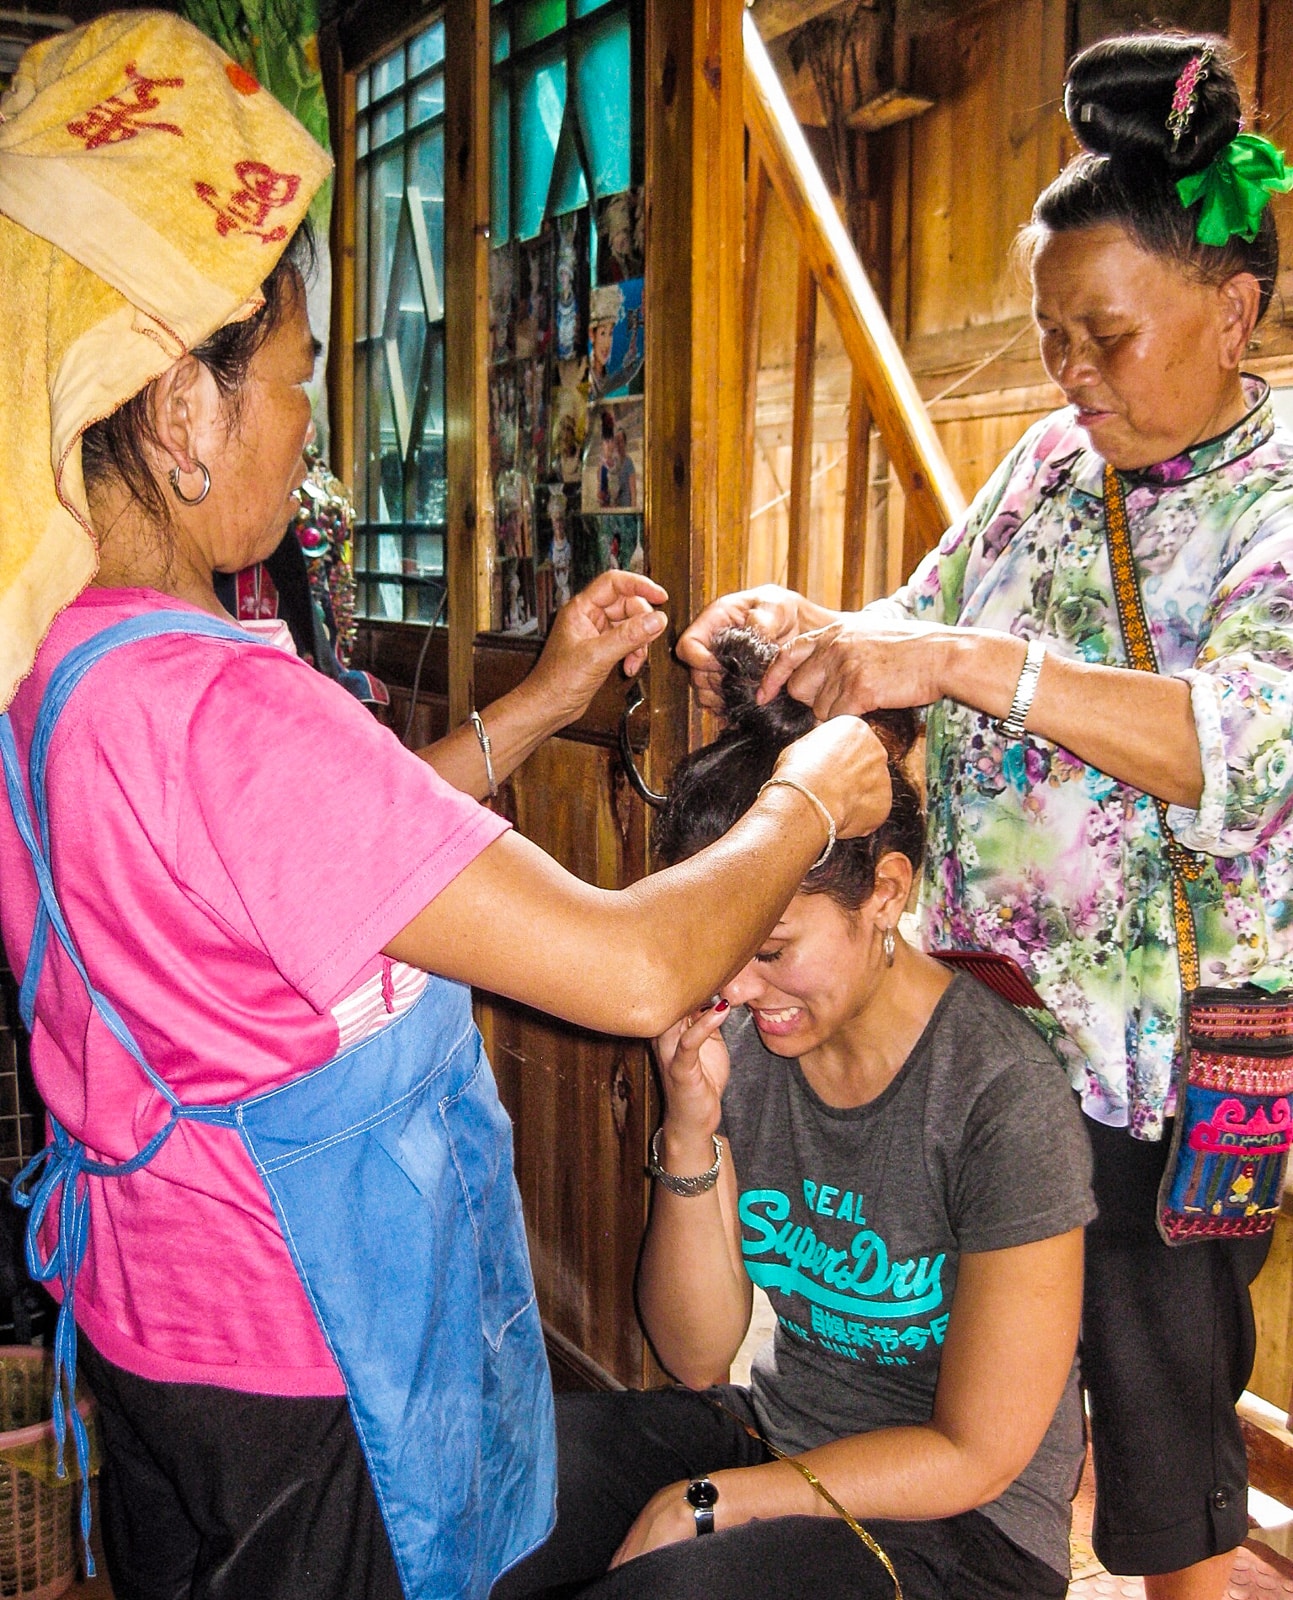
[(1184, 864)]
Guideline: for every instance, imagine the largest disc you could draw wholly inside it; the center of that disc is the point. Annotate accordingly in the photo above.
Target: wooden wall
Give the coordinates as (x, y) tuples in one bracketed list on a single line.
[(961, 180)]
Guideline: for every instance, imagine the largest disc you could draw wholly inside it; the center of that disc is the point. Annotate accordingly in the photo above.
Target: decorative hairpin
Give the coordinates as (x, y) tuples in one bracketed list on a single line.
[(1185, 95)]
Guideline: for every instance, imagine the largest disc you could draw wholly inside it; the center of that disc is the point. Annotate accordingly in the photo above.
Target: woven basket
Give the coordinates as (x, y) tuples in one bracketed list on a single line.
[(37, 1508)]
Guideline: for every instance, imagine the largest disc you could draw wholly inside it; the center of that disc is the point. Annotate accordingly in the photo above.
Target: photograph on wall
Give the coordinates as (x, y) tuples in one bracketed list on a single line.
[(568, 420), (621, 237), (570, 305), (619, 543), (502, 303), (520, 606), (612, 479), (532, 417), (502, 418), (615, 340), (514, 515), (534, 297), (557, 508)]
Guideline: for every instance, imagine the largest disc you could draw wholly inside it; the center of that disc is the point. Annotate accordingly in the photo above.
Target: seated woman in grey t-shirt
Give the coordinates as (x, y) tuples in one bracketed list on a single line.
[(894, 1154)]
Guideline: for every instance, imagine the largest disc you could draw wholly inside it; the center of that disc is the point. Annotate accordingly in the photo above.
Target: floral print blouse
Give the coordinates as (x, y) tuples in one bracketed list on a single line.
[(1037, 855)]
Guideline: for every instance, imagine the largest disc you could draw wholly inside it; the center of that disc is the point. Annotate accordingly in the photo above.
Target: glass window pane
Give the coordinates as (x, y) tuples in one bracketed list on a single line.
[(428, 100), (427, 554), (390, 552), (386, 468), (384, 209), (358, 468), (386, 600), (541, 103), (427, 50), (500, 138), (388, 74), (361, 138), (361, 91), (388, 123), (429, 464), (361, 255), (404, 331), (501, 36), (603, 92), (422, 602), (536, 19), (584, 8), (426, 175), (569, 183)]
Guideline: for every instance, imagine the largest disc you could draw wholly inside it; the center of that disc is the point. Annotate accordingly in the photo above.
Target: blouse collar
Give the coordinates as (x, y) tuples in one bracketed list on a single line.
[(1254, 428)]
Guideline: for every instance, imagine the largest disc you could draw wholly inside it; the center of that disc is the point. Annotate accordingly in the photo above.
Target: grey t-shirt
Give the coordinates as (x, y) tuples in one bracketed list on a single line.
[(855, 1220)]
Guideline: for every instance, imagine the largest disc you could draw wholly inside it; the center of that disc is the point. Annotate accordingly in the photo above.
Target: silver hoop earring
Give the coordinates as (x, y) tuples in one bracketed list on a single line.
[(888, 943), (200, 496)]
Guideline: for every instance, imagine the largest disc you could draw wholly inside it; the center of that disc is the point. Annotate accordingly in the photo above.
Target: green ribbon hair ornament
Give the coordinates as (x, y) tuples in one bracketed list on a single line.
[(1235, 188)]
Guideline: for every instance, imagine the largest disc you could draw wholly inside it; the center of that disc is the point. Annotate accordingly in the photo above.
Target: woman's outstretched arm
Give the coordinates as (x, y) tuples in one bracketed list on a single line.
[(1134, 726), (631, 961)]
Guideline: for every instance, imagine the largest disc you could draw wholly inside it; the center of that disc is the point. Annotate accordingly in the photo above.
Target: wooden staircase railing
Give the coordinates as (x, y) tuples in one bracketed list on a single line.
[(882, 391)]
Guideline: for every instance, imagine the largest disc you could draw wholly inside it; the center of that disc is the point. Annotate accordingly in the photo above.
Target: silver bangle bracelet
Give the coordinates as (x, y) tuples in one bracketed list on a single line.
[(684, 1187), (794, 783), (487, 750), (1012, 725)]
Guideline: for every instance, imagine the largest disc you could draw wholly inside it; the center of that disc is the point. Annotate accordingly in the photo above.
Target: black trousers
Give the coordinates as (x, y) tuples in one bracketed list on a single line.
[(614, 1451), (1167, 1347), (209, 1494)]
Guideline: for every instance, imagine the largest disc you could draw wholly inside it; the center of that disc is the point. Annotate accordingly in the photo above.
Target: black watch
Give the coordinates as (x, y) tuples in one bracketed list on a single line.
[(702, 1497)]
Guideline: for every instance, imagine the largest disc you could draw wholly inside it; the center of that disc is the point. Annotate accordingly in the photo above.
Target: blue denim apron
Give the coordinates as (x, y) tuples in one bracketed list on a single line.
[(390, 1172)]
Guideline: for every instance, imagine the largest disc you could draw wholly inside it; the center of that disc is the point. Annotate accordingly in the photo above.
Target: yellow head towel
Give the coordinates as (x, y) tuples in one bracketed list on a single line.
[(148, 185)]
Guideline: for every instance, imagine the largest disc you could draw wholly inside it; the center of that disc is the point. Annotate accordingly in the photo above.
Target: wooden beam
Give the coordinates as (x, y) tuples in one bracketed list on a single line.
[(775, 17), (469, 494), (801, 444), (757, 189), (1245, 34), (857, 495), (923, 469)]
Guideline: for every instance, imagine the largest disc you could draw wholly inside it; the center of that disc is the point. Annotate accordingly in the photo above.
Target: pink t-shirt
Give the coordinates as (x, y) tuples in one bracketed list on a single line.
[(234, 840)]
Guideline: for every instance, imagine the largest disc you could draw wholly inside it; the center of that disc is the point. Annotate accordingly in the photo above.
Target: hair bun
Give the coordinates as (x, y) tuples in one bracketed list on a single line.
[(745, 655), (1118, 98)]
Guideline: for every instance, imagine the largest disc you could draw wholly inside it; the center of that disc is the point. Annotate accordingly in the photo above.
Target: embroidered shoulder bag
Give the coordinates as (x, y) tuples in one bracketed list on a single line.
[(1234, 1079)]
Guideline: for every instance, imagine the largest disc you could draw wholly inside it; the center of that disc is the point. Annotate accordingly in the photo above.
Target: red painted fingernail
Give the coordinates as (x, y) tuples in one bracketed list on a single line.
[(722, 1006)]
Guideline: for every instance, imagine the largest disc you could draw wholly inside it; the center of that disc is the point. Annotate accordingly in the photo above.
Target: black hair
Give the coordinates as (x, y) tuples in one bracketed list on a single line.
[(715, 786), (116, 447), (1118, 98)]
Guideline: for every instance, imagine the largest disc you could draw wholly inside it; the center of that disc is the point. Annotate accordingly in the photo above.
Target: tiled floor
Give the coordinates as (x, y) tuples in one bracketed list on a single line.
[(1258, 1571)]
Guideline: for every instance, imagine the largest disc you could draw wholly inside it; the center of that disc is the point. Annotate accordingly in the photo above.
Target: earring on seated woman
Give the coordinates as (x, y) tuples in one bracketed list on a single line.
[(200, 496), (888, 943)]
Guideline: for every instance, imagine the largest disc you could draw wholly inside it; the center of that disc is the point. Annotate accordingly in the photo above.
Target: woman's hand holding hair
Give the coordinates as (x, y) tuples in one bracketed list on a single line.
[(611, 622), (853, 665), (778, 614)]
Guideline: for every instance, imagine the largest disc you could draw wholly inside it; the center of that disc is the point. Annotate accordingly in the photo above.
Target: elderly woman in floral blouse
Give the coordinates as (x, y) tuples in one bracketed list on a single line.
[(1153, 257)]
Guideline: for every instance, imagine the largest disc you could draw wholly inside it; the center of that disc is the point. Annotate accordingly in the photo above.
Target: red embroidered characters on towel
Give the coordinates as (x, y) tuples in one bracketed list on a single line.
[(117, 118), (261, 190)]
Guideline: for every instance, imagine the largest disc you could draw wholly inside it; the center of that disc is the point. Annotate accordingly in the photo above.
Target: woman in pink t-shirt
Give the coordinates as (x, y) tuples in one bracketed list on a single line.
[(278, 1201)]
